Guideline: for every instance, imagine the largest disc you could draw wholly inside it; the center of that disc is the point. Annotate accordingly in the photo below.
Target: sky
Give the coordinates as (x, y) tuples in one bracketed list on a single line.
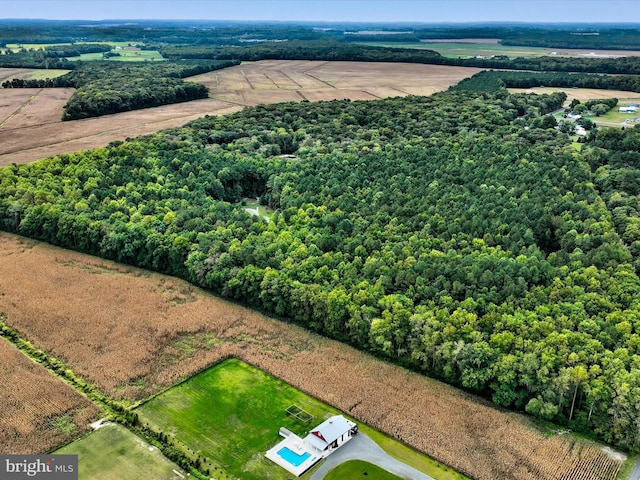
[(427, 11)]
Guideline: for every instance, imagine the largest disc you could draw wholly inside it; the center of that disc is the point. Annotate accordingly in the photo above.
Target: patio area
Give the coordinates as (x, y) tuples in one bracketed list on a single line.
[(294, 455)]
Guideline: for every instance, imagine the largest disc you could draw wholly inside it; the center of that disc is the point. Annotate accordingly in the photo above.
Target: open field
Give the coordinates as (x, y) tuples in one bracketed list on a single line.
[(230, 415), (39, 46), (30, 73), (28, 133), (134, 333), (272, 81), (26, 107), (114, 453), (125, 55), (472, 47), (37, 410)]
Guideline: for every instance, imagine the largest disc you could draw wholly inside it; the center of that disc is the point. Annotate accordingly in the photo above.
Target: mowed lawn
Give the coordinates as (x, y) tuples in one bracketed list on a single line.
[(355, 469), (114, 453), (230, 415)]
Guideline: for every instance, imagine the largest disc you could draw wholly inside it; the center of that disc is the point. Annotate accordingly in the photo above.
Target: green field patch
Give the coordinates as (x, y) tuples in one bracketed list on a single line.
[(466, 50), (42, 74), (355, 469), (230, 414), (122, 55), (614, 116), (114, 453)]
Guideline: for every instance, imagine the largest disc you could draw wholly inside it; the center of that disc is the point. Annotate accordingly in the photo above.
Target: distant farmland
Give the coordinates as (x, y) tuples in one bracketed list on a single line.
[(31, 129), (471, 47)]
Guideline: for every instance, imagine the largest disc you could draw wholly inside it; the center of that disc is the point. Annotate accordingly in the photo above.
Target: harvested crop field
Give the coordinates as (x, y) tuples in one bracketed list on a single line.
[(134, 333), (39, 411), (31, 129), (293, 80)]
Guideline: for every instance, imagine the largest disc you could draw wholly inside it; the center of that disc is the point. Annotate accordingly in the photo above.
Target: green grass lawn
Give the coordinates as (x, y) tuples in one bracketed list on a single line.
[(125, 56), (464, 50), (113, 453), (614, 116), (42, 74), (230, 416), (38, 46), (355, 469)]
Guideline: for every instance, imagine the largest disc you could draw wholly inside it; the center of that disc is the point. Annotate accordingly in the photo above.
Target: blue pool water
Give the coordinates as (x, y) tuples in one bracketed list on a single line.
[(292, 457)]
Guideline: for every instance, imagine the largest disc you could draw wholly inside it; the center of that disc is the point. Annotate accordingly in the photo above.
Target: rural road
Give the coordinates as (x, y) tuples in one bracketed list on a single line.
[(361, 447)]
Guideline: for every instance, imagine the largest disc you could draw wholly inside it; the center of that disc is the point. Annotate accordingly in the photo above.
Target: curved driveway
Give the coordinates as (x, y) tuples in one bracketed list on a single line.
[(362, 447)]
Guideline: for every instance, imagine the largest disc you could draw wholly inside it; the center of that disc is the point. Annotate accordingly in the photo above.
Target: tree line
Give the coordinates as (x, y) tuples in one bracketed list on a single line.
[(492, 81)]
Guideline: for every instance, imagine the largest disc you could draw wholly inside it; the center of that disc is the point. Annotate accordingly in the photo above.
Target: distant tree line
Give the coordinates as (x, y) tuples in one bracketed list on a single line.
[(494, 80), (299, 50), (237, 33), (336, 50)]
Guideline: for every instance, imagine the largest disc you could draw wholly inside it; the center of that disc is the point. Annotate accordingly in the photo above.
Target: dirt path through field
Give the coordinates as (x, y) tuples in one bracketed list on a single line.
[(20, 108)]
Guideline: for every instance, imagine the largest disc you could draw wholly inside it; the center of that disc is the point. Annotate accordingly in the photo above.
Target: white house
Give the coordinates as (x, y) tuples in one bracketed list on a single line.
[(331, 434), (628, 109), (297, 455)]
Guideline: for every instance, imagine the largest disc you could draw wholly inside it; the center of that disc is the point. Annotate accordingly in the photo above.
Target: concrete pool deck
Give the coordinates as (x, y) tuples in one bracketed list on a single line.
[(298, 447)]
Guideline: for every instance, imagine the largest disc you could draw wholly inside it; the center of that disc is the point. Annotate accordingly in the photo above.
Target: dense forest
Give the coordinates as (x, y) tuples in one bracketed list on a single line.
[(460, 235)]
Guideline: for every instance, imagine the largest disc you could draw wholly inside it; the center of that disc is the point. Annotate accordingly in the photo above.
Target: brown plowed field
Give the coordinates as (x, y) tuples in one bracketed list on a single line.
[(292, 80), (31, 129), (37, 410), (134, 333)]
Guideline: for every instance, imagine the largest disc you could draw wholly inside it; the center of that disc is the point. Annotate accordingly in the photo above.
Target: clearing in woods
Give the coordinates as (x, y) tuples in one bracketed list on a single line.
[(134, 333), (33, 131)]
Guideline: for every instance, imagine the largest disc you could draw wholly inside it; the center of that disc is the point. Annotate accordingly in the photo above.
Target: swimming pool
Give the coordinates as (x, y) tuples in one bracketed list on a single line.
[(292, 457)]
